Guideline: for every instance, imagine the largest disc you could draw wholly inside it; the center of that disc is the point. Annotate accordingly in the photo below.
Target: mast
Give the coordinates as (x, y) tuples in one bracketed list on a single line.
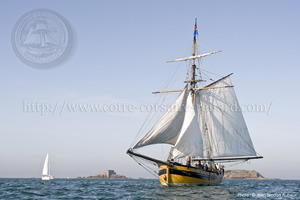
[(193, 82), (207, 138)]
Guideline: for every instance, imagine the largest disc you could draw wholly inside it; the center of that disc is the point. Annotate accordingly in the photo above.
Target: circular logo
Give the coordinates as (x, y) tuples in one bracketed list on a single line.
[(41, 38)]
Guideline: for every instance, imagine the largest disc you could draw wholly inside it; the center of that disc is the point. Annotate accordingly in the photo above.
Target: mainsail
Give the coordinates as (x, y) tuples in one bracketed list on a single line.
[(223, 122), (46, 168)]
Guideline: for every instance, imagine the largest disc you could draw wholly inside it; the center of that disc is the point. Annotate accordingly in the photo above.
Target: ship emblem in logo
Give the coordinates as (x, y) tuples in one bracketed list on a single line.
[(41, 38)]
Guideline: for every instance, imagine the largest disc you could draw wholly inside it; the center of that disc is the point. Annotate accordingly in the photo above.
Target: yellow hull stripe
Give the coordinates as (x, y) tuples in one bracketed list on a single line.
[(180, 175)]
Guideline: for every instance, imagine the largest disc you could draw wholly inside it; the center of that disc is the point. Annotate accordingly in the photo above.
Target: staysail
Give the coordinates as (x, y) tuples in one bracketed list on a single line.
[(189, 141), (223, 123), (167, 129)]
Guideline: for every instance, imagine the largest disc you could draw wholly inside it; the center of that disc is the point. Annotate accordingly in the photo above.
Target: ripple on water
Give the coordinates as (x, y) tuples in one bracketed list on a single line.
[(141, 189)]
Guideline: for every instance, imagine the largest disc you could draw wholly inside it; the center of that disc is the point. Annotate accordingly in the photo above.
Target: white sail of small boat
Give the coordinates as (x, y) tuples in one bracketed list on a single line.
[(46, 169)]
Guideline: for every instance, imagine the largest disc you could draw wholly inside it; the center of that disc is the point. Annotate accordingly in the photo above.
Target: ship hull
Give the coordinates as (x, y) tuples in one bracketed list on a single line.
[(183, 175), (46, 178)]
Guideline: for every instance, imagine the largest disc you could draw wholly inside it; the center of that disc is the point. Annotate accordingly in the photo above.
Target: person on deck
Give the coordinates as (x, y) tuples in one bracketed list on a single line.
[(188, 162), (199, 164), (217, 167)]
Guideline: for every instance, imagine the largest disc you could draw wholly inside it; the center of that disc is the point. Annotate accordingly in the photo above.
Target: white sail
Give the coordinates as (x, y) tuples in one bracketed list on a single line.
[(189, 142), (46, 169), (167, 129), (224, 125), (46, 166)]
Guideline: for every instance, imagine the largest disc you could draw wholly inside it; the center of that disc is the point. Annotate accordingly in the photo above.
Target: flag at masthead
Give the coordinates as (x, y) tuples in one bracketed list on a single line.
[(195, 30)]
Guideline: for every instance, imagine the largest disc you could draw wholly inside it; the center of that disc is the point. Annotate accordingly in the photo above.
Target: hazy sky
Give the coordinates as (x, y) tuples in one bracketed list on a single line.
[(119, 54)]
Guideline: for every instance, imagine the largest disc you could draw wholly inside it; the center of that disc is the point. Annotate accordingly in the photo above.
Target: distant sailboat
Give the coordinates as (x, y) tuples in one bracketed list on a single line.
[(46, 169)]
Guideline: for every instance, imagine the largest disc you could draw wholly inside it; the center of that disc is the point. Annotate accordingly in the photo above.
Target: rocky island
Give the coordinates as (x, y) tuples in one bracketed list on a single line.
[(245, 175), (229, 175), (109, 174)]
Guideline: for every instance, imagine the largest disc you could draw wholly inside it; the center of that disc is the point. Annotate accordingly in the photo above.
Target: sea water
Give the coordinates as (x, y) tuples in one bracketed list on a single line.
[(145, 189)]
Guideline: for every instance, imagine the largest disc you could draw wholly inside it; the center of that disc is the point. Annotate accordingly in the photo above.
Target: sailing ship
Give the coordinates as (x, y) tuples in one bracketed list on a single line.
[(46, 169), (39, 41), (203, 129)]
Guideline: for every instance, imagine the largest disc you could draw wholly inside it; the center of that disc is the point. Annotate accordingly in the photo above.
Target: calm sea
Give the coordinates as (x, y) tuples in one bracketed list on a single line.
[(145, 189)]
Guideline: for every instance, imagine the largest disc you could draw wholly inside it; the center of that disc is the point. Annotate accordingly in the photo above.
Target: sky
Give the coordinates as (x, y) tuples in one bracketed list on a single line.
[(118, 58)]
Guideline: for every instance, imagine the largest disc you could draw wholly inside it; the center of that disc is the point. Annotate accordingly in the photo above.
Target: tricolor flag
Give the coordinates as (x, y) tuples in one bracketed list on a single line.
[(195, 31)]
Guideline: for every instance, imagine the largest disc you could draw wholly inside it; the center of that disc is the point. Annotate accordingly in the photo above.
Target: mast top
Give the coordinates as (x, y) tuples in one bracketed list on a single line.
[(195, 30)]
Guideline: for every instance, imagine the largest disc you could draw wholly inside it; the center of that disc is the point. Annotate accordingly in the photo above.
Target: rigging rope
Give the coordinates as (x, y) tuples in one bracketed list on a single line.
[(211, 73), (159, 99), (151, 171)]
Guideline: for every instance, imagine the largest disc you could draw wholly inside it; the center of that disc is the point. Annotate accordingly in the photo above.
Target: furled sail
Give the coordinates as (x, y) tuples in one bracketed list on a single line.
[(167, 129), (223, 123), (189, 142)]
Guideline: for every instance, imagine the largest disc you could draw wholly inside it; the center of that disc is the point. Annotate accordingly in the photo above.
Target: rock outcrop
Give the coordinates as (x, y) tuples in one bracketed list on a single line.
[(244, 174), (109, 174)]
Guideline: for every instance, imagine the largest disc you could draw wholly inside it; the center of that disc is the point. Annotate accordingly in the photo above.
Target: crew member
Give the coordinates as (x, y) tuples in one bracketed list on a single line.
[(188, 162)]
